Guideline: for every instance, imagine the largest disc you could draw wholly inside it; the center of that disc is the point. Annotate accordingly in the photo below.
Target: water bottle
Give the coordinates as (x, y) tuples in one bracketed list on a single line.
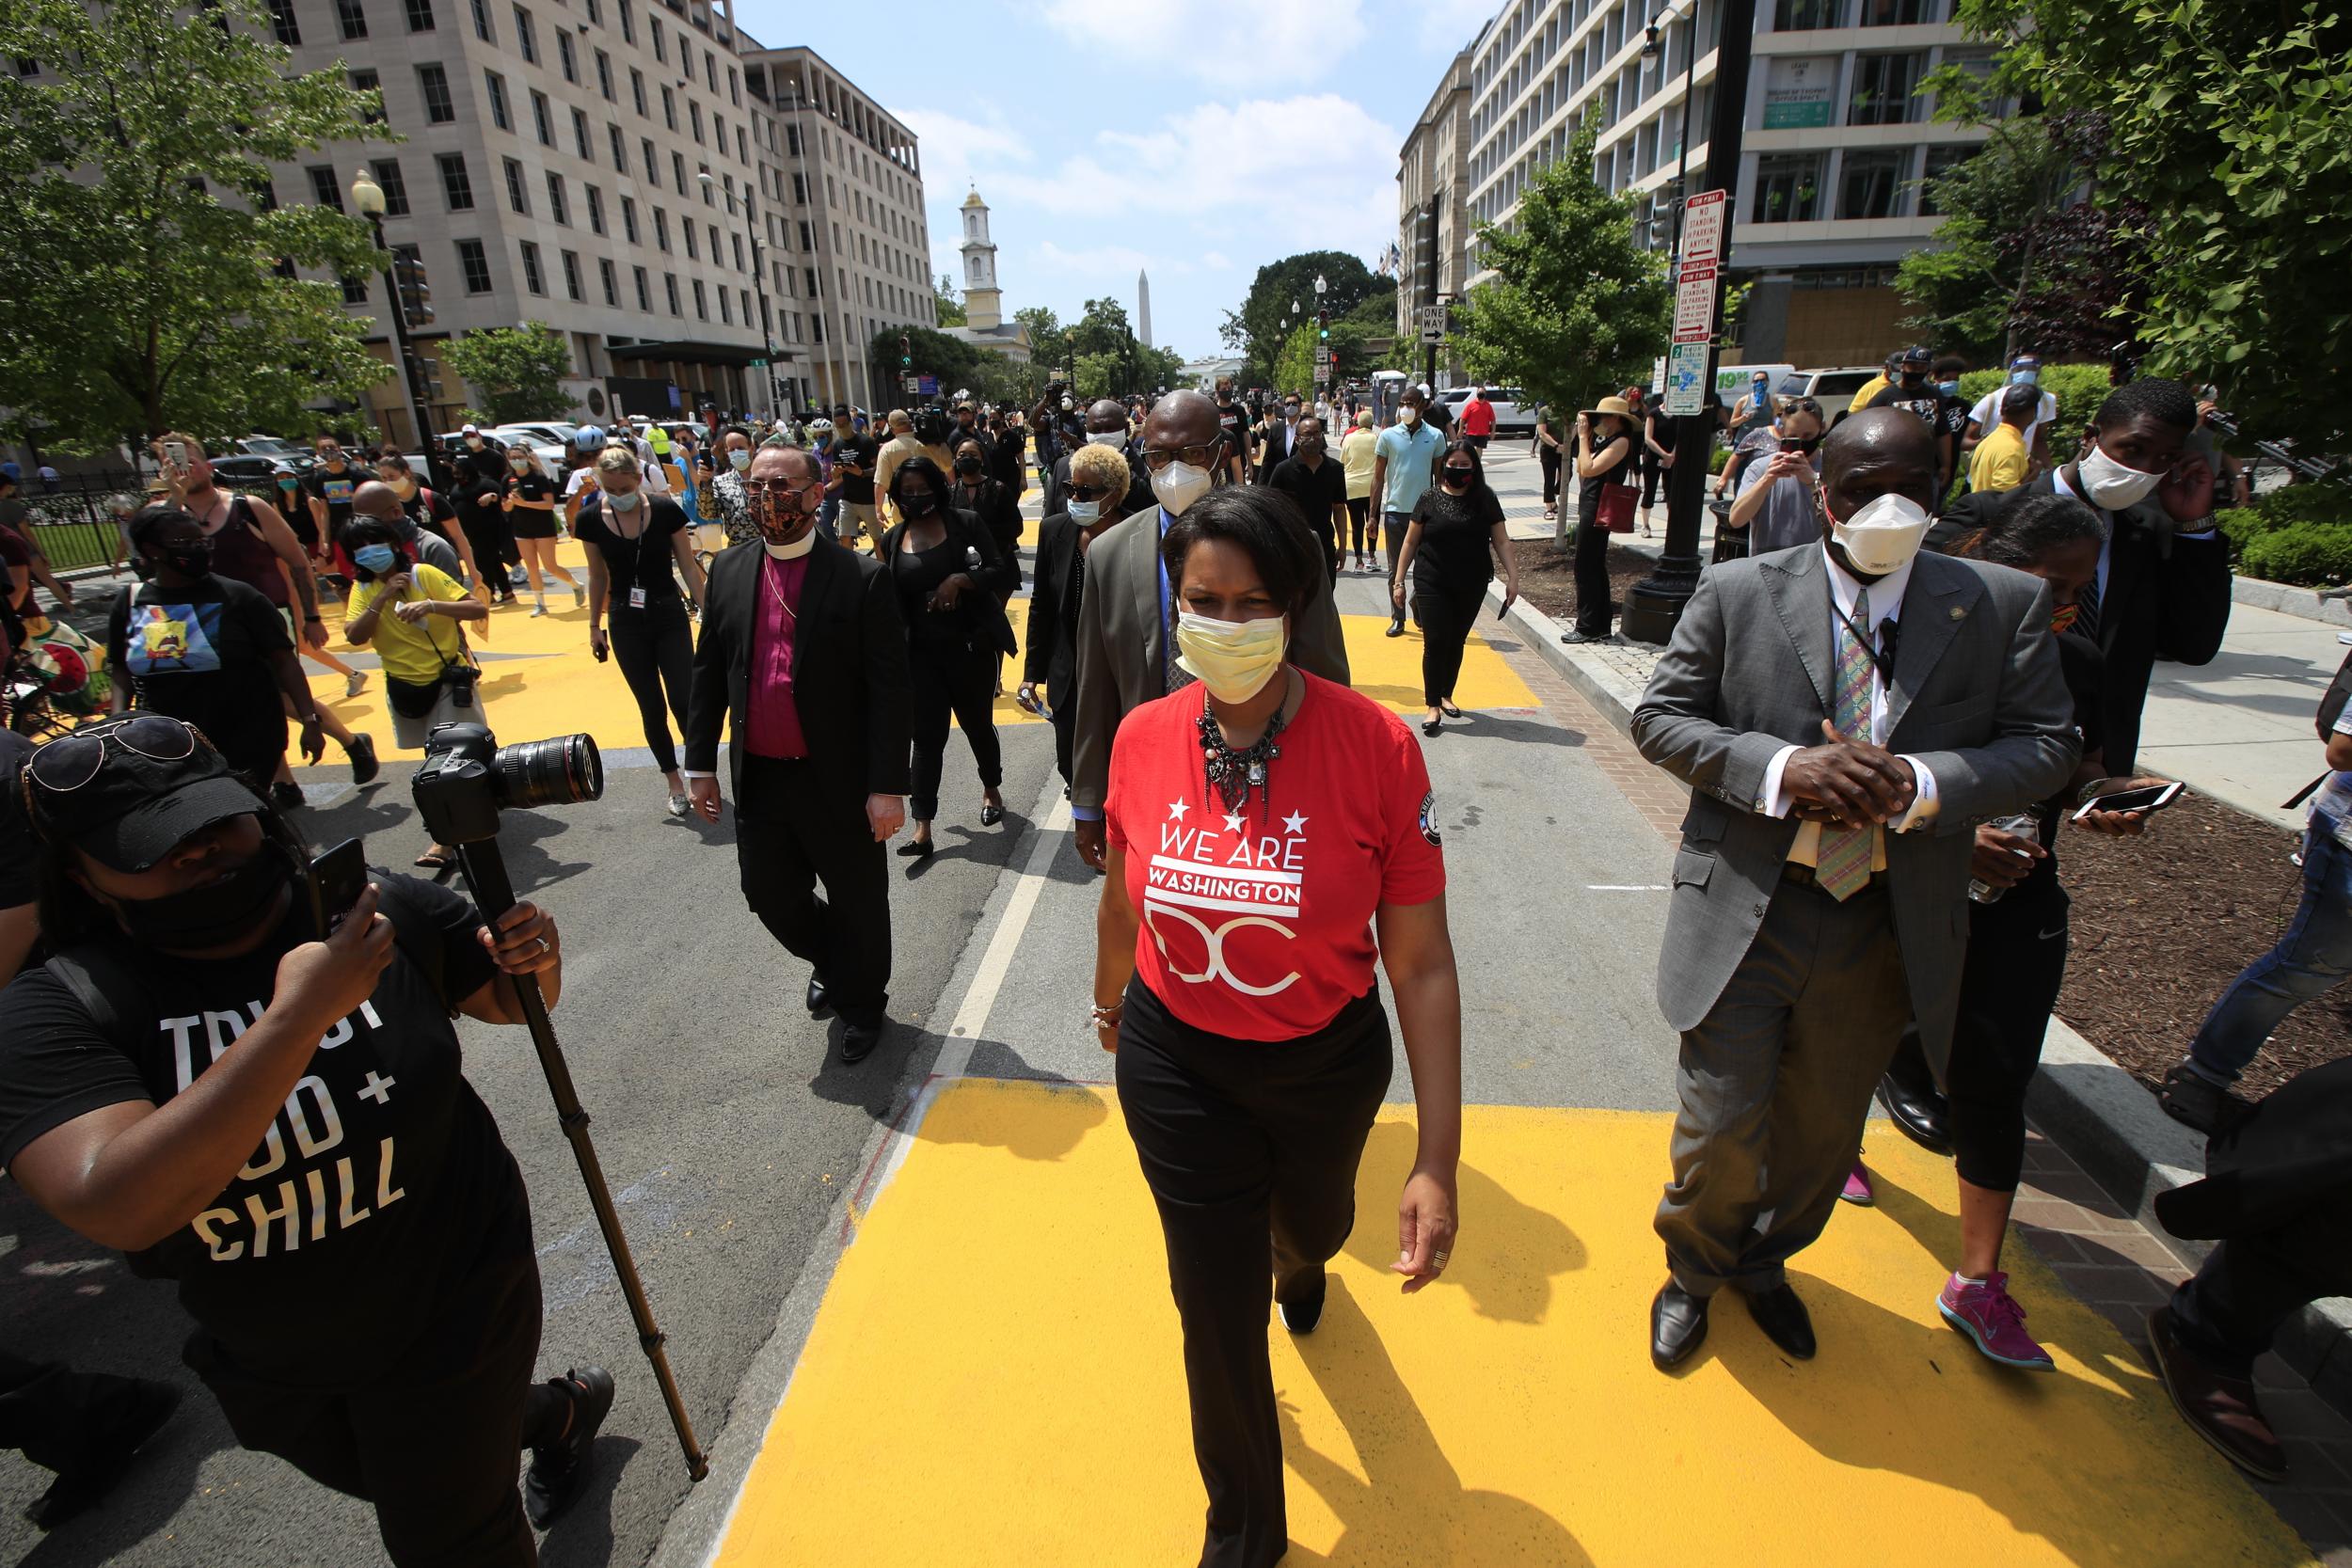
[(2023, 825), (972, 558)]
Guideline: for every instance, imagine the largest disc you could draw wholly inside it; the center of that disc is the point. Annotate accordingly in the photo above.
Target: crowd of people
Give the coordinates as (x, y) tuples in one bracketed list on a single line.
[(1884, 710)]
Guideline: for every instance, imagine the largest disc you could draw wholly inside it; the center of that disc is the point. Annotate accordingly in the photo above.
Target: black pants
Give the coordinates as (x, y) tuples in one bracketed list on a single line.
[(1653, 469), (655, 649), (1250, 1150), (1592, 578), (1548, 457), (797, 824), (431, 1437), (2228, 1313), (959, 678), (1445, 616), (2008, 985), (52, 1414), (1359, 523), (493, 543)]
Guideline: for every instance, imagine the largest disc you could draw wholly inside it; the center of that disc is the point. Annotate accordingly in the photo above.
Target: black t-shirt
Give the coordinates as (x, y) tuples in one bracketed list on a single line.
[(380, 1186), (1456, 553), (535, 487), (425, 508), (16, 834), (1234, 419), (201, 653), (642, 562), (1314, 491), (335, 490), (1922, 401), (857, 489)]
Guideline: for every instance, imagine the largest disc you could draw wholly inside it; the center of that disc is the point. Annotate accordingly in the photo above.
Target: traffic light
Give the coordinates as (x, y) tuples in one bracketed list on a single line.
[(1323, 328), (424, 374), (906, 353), (416, 293)]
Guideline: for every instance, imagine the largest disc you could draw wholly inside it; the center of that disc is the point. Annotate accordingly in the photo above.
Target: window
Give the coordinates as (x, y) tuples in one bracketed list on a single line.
[(567, 59), (1787, 187), (395, 189), (677, 172), (323, 187), (571, 275), (542, 119), (713, 232), (1869, 183), (669, 108), (556, 207), (352, 17), (808, 242), (534, 278), (355, 289), (669, 286), (517, 198), (610, 276), (644, 295), (1939, 162), (629, 27), (595, 211), (499, 116), (800, 192), (526, 37), (660, 52), (369, 81), (735, 88), (456, 189), (792, 140), (694, 117), (653, 170), (637, 89), (433, 82), (620, 149), (726, 312), (1900, 13), (604, 74), (581, 139), (705, 182), (474, 263), (692, 254), (736, 241), (596, 14), (1883, 87), (702, 304), (482, 28), (281, 21), (629, 219), (1806, 16), (419, 13), (660, 229)]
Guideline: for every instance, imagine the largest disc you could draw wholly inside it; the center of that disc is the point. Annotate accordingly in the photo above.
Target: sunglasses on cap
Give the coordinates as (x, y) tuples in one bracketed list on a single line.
[(66, 763)]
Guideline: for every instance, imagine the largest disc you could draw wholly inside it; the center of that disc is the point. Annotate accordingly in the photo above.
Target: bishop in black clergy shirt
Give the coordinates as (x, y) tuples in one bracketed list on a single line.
[(804, 657)]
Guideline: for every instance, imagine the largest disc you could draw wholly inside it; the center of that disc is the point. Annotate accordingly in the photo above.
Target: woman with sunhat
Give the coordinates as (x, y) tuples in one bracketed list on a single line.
[(1605, 437)]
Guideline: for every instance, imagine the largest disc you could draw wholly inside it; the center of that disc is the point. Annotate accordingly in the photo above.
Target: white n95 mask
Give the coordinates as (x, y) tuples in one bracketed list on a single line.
[(1180, 485), (1883, 535)]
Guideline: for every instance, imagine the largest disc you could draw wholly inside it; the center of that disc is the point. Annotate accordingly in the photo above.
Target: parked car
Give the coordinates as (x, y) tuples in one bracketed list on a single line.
[(285, 452), (1832, 388), (252, 472), (548, 447), (1512, 416)]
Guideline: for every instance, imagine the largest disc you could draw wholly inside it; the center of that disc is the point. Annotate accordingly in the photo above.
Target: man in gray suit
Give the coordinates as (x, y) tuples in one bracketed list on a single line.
[(1124, 606), (1837, 771)]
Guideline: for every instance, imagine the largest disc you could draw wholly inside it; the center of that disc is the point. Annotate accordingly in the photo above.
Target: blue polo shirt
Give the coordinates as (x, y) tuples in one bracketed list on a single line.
[(1412, 456)]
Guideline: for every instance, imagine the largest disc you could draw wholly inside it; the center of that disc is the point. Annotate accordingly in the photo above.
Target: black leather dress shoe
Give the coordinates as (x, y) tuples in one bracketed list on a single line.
[(1781, 1314), (858, 1041), (818, 1002), (1918, 1109), (1677, 1326)]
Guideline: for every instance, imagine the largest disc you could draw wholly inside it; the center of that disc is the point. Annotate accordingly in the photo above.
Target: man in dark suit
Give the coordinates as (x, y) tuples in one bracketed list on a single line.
[(1819, 898), (1096, 488), (803, 656), (1124, 643), (1278, 438)]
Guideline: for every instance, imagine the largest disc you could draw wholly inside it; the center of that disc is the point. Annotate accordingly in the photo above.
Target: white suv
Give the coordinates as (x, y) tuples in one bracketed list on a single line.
[(1512, 417)]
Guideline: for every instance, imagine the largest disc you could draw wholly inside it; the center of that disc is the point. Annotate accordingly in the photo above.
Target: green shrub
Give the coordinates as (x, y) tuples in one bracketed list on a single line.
[(2080, 389), (2330, 503), (2311, 555)]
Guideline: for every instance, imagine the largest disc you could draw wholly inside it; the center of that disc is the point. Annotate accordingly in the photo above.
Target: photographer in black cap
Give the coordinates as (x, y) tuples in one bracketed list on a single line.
[(279, 1120)]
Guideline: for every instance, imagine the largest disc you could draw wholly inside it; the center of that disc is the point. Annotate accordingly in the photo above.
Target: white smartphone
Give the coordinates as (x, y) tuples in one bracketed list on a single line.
[(2147, 798)]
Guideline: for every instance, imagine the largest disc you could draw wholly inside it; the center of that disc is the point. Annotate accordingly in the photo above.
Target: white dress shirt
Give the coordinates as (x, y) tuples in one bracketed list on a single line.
[(1886, 604)]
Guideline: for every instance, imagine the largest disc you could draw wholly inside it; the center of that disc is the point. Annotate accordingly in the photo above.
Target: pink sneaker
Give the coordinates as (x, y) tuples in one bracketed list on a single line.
[(1858, 1187), (1988, 1314)]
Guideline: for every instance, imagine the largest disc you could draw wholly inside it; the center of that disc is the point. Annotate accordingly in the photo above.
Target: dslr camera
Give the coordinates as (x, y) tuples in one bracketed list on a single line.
[(467, 777)]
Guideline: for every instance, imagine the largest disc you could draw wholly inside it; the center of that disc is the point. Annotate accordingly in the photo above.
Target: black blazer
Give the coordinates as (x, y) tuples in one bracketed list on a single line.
[(2293, 1152), (1276, 443), (1139, 497), (850, 682), (998, 575), (1000, 514), (1052, 654), (2157, 605)]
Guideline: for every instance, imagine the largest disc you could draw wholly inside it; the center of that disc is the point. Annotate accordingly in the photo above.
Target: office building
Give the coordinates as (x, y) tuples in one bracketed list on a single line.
[(1431, 207), (709, 223), (1837, 143)]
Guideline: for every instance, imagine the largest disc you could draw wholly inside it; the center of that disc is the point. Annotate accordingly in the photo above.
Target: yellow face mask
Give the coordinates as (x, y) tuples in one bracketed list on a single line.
[(1233, 659)]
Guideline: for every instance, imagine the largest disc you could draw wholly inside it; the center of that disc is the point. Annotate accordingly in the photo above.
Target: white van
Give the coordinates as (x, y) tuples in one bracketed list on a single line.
[(1513, 417)]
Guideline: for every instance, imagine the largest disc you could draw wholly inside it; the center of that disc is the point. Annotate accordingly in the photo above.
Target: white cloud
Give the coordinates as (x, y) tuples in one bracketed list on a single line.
[(1449, 25), (1215, 261), (1229, 47), (957, 152)]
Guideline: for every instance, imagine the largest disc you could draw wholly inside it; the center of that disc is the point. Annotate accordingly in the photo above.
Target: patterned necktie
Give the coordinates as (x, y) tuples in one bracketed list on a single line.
[(1842, 865), (2087, 611)]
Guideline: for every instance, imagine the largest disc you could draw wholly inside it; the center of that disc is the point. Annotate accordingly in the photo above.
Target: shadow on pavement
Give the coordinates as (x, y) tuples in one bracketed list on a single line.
[(1514, 1251), (583, 1537)]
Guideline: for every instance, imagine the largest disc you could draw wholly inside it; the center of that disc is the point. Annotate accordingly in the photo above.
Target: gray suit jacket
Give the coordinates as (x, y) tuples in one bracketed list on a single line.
[(1119, 645), (1977, 697)]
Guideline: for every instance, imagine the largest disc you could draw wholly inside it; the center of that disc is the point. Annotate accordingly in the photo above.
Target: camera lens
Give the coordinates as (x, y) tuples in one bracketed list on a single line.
[(559, 771)]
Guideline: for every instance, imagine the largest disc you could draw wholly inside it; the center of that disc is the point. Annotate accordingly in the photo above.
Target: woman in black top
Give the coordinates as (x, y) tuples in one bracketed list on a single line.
[(948, 571), (207, 649), (1097, 497), (633, 540), (977, 492), (1457, 524), (531, 500), (1605, 438)]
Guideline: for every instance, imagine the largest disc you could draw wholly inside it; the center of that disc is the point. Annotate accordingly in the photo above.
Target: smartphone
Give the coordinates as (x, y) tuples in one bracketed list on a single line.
[(341, 874), (1791, 443), (2148, 797), (176, 454)]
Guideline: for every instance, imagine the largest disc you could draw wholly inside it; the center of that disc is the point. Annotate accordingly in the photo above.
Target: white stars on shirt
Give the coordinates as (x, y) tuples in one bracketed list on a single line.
[(1176, 810), (1232, 821), (1295, 822)]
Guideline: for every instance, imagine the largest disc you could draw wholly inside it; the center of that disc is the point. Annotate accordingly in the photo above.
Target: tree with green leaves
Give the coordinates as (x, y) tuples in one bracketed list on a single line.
[(518, 371), (1049, 340), (149, 276), (951, 310), (934, 353), (1578, 309), (1257, 328), (2228, 129)]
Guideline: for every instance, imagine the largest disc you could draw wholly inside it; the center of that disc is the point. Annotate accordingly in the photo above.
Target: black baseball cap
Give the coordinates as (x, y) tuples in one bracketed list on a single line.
[(128, 791), (1917, 355)]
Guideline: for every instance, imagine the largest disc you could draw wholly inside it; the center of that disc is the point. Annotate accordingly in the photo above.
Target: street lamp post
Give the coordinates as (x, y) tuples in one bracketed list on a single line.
[(1689, 69), (368, 197), (759, 286)]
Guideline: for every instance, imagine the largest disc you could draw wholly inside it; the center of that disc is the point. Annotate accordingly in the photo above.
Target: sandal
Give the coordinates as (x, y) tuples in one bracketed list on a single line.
[(435, 860)]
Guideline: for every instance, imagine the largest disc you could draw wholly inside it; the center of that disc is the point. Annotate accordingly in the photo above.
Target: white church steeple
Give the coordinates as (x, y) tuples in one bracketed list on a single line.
[(983, 304)]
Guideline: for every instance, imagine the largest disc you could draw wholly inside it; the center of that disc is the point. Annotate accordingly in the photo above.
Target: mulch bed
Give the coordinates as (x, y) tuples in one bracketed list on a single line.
[(2161, 924)]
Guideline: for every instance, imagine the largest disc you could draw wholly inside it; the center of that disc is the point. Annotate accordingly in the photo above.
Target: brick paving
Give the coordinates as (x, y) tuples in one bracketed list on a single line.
[(2110, 1261)]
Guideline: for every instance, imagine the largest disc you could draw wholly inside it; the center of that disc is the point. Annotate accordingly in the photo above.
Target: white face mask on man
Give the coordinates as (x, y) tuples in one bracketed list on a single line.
[(1233, 659), (2110, 484), (1884, 534), (1180, 485)]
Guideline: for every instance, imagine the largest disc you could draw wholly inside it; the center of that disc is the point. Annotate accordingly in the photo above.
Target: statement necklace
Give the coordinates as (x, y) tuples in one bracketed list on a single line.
[(1232, 774)]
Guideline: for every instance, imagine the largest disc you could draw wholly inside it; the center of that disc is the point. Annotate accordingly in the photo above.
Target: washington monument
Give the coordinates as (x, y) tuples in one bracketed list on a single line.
[(1143, 307)]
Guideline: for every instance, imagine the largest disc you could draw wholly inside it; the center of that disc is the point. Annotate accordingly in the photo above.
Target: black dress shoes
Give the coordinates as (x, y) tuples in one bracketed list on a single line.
[(1913, 1102), (1677, 1326), (818, 1002), (858, 1041), (1302, 1313), (1781, 1314)]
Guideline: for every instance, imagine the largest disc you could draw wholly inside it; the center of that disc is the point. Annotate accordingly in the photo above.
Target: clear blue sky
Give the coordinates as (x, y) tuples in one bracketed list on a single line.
[(1198, 139)]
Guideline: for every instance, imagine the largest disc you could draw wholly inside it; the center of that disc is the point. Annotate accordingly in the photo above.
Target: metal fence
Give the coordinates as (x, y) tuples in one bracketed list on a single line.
[(71, 522)]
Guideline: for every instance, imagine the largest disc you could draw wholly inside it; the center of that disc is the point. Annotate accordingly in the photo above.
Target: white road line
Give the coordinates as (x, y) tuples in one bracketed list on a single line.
[(955, 1052)]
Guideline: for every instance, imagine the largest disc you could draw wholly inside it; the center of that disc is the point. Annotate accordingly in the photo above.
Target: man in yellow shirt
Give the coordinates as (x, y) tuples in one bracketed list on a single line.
[(2003, 461), (1891, 371)]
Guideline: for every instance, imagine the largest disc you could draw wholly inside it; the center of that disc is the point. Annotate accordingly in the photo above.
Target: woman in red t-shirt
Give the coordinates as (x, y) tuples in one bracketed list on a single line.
[(1261, 823)]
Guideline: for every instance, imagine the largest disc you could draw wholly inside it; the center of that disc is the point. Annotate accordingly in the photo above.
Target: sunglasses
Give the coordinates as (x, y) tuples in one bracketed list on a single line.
[(66, 763), (1158, 458), (1086, 492)]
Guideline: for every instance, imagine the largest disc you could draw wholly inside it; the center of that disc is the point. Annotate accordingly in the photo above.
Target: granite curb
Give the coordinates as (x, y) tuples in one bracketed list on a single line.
[(2082, 1099)]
